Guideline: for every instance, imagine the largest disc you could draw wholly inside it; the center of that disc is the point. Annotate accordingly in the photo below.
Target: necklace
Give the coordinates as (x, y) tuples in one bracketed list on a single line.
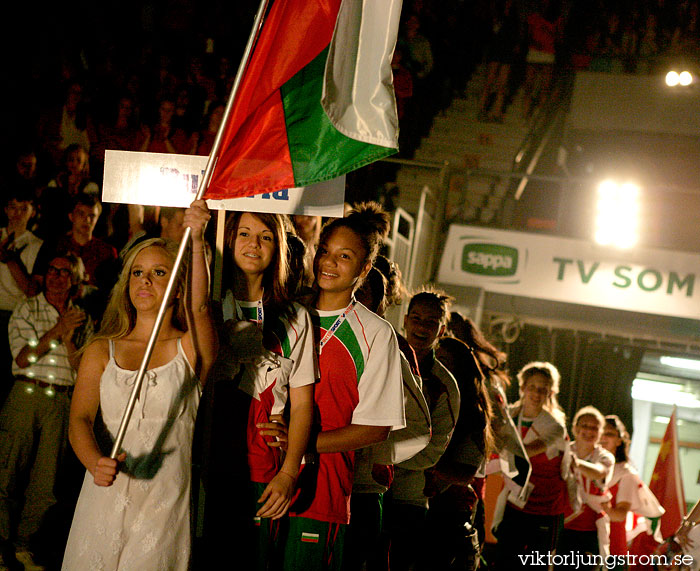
[(338, 322)]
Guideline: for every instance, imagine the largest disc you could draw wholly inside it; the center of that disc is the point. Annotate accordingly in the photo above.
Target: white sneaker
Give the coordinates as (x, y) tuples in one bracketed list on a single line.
[(26, 558)]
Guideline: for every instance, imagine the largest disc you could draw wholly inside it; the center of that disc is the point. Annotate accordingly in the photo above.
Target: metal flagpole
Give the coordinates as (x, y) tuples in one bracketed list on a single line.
[(257, 25)]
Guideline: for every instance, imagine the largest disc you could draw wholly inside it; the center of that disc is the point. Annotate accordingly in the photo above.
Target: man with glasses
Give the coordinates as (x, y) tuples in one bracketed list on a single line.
[(45, 333)]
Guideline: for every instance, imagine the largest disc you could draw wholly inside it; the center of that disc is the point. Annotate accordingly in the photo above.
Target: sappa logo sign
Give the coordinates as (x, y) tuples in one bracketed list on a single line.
[(490, 259)]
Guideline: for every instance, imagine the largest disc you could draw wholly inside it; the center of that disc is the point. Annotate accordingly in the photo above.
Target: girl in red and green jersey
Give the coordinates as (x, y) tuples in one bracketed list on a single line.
[(273, 338), (359, 398)]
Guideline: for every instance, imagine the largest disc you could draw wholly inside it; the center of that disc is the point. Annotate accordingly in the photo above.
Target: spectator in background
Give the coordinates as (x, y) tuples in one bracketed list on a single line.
[(203, 87), (296, 258), (56, 200), (187, 112), (420, 64), (25, 174), (164, 136), (686, 36), (172, 223), (45, 333), (648, 46), (202, 141), (308, 228), (403, 82), (544, 27), (68, 125), (18, 251), (609, 52), (502, 52), (122, 132), (99, 257)]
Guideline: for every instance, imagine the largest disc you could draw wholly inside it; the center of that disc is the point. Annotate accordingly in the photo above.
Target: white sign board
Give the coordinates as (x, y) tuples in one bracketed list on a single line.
[(161, 179), (574, 271)]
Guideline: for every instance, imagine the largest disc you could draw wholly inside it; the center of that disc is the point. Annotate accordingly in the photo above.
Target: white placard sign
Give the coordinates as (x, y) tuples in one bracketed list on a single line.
[(161, 179), (661, 282)]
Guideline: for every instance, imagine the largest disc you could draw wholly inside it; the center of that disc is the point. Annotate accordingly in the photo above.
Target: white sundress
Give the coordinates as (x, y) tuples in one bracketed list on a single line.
[(142, 521)]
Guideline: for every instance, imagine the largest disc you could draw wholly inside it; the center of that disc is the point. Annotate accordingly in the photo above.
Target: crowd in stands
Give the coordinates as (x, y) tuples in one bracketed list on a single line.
[(533, 42)]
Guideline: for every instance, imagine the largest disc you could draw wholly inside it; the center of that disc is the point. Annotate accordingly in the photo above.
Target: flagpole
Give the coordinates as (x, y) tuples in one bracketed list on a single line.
[(204, 183)]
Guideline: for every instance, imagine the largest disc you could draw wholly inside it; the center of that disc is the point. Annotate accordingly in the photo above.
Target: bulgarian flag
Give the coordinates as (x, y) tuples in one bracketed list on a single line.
[(316, 99)]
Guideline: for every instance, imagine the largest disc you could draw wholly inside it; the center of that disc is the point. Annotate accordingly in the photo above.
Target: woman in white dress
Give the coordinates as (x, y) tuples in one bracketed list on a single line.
[(134, 512)]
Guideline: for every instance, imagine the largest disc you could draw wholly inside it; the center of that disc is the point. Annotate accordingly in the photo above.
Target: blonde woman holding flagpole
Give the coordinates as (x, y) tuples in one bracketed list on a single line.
[(134, 511)]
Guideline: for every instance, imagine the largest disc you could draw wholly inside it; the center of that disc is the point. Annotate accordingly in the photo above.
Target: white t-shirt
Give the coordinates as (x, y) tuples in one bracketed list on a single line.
[(10, 293)]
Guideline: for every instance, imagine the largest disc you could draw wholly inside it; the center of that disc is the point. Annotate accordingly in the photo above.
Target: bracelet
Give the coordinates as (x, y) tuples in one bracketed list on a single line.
[(287, 474)]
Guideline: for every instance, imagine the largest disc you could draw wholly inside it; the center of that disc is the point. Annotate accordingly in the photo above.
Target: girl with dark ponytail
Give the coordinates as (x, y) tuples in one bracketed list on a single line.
[(455, 484), (359, 397)]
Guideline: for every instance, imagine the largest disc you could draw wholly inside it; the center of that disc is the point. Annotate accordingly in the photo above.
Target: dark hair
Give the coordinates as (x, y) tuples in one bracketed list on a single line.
[(435, 297), (296, 256), (475, 409), (372, 291), (622, 451), (394, 282), (275, 278), (169, 212), (369, 221), (20, 193), (77, 267), (85, 199)]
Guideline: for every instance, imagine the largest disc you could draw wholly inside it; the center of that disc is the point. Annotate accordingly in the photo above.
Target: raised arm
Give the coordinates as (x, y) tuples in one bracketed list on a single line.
[(201, 335), (600, 470)]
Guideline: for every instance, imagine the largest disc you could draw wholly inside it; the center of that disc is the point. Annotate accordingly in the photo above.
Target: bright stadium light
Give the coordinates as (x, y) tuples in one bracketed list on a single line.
[(617, 215), (682, 79), (663, 393), (680, 362)]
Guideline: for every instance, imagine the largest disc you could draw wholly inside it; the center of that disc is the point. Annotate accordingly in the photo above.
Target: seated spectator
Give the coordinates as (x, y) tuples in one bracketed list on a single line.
[(45, 333), (18, 251), (67, 125), (171, 223), (164, 137), (55, 200), (122, 131), (202, 141), (99, 257), (25, 174)]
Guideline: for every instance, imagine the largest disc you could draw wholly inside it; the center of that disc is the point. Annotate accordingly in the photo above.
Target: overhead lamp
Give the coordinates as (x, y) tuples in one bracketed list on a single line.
[(617, 214), (683, 78)]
